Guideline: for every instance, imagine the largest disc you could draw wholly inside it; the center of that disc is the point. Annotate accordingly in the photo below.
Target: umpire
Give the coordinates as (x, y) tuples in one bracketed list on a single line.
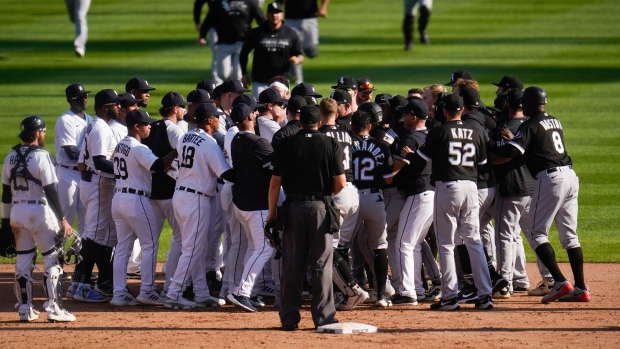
[(309, 167)]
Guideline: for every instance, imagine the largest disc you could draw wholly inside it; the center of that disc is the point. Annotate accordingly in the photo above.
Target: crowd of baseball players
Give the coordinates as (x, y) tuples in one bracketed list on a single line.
[(439, 188)]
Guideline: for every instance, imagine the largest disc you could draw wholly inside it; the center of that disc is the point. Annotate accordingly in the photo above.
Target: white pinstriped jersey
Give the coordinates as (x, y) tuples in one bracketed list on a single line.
[(119, 130), (132, 165), (99, 141), (69, 130)]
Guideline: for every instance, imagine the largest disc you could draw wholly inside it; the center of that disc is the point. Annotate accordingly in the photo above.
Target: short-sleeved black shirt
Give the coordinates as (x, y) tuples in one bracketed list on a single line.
[(232, 19), (307, 163), (300, 9), (251, 156), (371, 162), (416, 176), (345, 122), (162, 184), (456, 150), (486, 177), (291, 128), (344, 139)]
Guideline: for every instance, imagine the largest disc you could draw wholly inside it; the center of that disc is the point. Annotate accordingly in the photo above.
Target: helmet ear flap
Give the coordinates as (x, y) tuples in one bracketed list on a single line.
[(30, 125)]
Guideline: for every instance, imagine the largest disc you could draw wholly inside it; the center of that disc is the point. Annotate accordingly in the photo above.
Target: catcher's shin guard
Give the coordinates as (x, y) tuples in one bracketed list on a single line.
[(52, 276), (342, 275), (23, 275)]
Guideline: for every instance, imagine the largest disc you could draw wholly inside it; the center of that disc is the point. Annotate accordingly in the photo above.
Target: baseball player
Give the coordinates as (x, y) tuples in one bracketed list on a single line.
[(201, 161), (364, 91), (78, 10), (541, 141), (411, 7), (29, 183), (132, 210), (96, 191), (140, 88), (348, 84), (293, 108), (456, 151), (270, 114)]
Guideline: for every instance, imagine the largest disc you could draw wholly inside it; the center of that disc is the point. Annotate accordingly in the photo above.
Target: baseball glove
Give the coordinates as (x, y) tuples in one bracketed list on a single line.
[(272, 234), (7, 240)]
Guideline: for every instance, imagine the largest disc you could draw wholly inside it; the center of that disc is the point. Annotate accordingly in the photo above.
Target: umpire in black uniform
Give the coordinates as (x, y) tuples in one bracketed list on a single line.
[(309, 167)]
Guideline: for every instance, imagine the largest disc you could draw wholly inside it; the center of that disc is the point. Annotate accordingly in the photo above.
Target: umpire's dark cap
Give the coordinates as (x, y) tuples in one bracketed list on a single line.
[(138, 116), (205, 111), (199, 96), (305, 89), (452, 102), (383, 99), (270, 95), (233, 86), (247, 99), (295, 104), (310, 115), (364, 84), (138, 83), (240, 112), (207, 85), (416, 107), (534, 94), (510, 81), (107, 96), (461, 73), (341, 96), (346, 82), (397, 101), (274, 7), (471, 97), (173, 99), (75, 90), (128, 99)]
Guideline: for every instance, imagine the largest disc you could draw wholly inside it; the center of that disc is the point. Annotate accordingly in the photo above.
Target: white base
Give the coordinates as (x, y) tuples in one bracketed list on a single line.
[(346, 328)]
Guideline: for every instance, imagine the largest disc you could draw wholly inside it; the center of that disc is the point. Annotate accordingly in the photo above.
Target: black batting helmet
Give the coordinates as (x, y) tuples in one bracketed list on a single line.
[(534, 94), (374, 110), (31, 125)]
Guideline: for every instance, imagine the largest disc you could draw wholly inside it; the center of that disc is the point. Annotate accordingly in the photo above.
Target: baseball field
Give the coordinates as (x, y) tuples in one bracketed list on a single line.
[(570, 48)]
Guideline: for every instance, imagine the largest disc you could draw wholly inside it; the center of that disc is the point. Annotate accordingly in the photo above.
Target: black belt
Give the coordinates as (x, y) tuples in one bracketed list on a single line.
[(369, 191), (131, 191), (30, 202), (74, 168), (556, 169), (190, 190), (293, 197)]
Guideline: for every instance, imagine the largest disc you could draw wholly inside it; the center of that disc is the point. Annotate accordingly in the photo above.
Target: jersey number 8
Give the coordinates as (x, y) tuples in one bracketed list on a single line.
[(463, 155)]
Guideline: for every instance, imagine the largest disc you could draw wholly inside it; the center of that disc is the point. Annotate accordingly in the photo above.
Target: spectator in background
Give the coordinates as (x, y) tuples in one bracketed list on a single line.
[(78, 9)]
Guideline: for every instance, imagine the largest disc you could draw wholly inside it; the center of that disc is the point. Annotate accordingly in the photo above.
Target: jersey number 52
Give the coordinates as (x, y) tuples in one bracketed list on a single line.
[(461, 154)]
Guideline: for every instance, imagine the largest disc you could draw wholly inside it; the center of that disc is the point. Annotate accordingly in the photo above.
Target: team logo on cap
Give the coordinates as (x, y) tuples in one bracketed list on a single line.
[(146, 82), (80, 88), (332, 94), (341, 80), (452, 78)]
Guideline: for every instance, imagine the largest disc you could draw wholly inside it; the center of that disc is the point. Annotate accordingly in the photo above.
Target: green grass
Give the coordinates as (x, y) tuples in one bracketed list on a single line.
[(570, 48)]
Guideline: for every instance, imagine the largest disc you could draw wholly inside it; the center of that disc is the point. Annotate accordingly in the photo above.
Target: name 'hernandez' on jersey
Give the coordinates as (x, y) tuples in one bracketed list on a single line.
[(371, 162)]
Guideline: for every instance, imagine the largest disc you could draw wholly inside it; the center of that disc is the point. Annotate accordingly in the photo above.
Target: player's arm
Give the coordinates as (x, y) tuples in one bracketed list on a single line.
[(340, 180), (297, 53), (388, 165), (257, 13), (263, 150), (323, 10), (49, 181), (72, 151), (247, 47), (7, 237), (66, 139), (102, 164), (272, 199), (516, 146)]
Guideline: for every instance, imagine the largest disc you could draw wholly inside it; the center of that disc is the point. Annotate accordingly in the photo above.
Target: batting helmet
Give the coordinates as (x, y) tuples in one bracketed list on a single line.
[(534, 94), (31, 125), (374, 110)]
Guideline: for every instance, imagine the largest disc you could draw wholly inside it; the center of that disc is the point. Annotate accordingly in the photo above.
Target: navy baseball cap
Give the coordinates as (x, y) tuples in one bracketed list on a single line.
[(75, 90), (240, 112), (247, 99), (295, 104), (138, 116), (271, 96), (471, 97), (341, 96), (452, 102), (310, 115), (416, 107), (107, 96), (233, 86), (138, 83), (398, 101), (274, 7), (199, 96), (127, 99), (364, 84), (461, 73), (514, 98), (173, 99), (383, 99), (510, 81), (207, 85), (205, 111), (305, 89), (346, 82)]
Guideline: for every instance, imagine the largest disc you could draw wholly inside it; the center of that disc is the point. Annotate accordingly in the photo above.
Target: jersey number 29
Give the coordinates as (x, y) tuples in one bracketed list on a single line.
[(121, 168)]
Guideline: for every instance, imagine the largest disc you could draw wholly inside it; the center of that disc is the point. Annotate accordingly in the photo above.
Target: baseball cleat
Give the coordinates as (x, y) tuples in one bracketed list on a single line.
[(516, 288), (209, 301), (447, 304), (404, 300), (433, 295), (134, 275), (542, 289), (384, 302), (106, 289), (152, 299), (27, 313), (499, 283), (70, 292), (502, 294), (257, 301), (180, 303), (241, 302), (85, 294), (559, 289), (126, 300), (469, 294), (62, 316), (349, 303), (267, 291), (576, 295), (484, 303)]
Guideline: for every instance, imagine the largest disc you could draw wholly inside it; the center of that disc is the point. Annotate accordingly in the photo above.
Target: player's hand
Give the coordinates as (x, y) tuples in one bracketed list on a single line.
[(295, 60), (322, 12), (202, 41), (245, 81), (225, 153), (271, 216), (506, 134), (65, 229), (406, 150), (168, 159), (81, 166)]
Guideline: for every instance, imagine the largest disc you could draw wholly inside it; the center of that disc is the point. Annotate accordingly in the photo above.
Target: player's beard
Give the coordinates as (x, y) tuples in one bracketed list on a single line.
[(112, 115)]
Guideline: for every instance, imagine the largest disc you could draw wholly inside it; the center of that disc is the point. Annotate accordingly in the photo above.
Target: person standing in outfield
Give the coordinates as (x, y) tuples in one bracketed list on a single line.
[(411, 7), (232, 21), (276, 48), (29, 183), (132, 211), (206, 34), (201, 162), (417, 214), (293, 108), (78, 10), (541, 141), (365, 89), (140, 88), (301, 15), (309, 167), (96, 191), (164, 137), (456, 151)]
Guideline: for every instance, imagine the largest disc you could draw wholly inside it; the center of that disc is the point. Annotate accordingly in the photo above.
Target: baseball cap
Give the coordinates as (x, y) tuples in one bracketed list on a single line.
[(397, 101), (311, 100), (452, 102), (106, 96), (471, 97), (127, 99), (510, 82), (206, 85), (383, 99), (138, 116), (233, 86), (461, 73), (240, 112), (199, 96), (138, 83), (247, 99), (346, 82), (205, 111), (172, 99), (75, 90), (363, 84), (271, 96), (514, 98), (341, 96), (305, 89), (416, 107), (295, 104), (274, 7), (217, 92), (310, 115)]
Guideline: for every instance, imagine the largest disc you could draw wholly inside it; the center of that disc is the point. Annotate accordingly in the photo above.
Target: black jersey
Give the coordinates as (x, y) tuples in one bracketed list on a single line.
[(344, 139), (291, 128), (345, 122), (513, 178), (371, 162), (486, 177), (541, 140), (251, 156), (162, 184), (300, 9), (232, 19), (416, 176), (386, 136), (456, 150)]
